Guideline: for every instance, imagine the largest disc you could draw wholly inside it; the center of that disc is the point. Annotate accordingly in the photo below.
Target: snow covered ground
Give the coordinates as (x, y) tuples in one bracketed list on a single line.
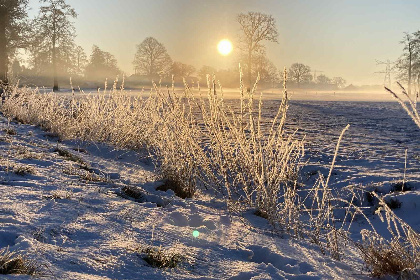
[(63, 203)]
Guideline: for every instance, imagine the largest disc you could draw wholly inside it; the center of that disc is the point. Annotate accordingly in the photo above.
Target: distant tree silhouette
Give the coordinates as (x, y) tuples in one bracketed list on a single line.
[(54, 34), (256, 28), (151, 58), (339, 82), (203, 72), (81, 60), (408, 65), (323, 80), (13, 15), (299, 73), (182, 70), (101, 65), (266, 69)]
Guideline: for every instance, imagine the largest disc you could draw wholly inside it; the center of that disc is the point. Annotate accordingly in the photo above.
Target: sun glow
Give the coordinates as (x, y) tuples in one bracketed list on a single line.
[(225, 47)]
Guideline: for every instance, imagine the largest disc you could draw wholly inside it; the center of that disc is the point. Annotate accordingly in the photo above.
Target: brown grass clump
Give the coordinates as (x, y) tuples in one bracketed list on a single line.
[(160, 258), (387, 257), (23, 170), (69, 156), (12, 263), (133, 192), (10, 131)]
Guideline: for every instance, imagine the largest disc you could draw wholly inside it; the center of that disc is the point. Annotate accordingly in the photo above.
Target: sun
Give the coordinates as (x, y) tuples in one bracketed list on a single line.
[(225, 47)]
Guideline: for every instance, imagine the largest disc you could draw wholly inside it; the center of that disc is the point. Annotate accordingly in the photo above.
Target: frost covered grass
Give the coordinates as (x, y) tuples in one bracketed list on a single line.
[(411, 109), (199, 142), (393, 256), (195, 142)]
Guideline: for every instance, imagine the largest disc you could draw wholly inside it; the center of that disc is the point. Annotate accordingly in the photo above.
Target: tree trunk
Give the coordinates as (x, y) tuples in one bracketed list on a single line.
[(410, 53), (250, 68), (54, 56), (3, 46), (78, 62), (152, 70)]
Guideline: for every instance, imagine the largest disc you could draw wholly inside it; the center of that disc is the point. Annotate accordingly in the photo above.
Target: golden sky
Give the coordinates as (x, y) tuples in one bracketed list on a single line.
[(341, 38)]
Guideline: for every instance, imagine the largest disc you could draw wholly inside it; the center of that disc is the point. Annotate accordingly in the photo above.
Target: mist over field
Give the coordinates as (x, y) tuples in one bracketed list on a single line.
[(196, 139)]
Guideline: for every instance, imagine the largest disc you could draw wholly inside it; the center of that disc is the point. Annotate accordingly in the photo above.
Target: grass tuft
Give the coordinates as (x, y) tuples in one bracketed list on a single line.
[(133, 192), (394, 203), (402, 187), (261, 214), (387, 258), (69, 156), (161, 258), (13, 263), (10, 131), (23, 170)]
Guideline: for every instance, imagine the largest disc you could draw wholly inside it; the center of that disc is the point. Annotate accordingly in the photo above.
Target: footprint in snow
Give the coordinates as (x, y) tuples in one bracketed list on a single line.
[(259, 254), (181, 220), (7, 239), (178, 219)]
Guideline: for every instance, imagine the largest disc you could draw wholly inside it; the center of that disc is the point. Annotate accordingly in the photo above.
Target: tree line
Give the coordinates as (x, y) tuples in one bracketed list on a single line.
[(49, 41)]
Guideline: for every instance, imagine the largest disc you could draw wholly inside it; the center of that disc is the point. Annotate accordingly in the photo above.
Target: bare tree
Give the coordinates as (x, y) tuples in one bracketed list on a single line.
[(81, 60), (267, 70), (55, 32), (299, 73), (256, 28), (339, 82), (323, 80), (151, 58), (13, 14), (204, 71), (405, 65)]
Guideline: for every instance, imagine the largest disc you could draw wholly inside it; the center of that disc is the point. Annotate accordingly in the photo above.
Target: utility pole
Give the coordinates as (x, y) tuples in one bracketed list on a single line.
[(387, 72)]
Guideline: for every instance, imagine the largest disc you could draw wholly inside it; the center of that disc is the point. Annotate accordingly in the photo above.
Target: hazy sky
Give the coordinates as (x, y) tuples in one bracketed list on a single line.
[(341, 38)]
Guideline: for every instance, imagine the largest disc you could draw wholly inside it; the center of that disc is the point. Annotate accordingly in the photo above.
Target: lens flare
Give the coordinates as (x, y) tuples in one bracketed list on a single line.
[(225, 47), (196, 233)]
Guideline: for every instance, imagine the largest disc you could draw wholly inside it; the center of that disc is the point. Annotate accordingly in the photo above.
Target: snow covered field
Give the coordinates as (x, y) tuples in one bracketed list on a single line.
[(64, 205)]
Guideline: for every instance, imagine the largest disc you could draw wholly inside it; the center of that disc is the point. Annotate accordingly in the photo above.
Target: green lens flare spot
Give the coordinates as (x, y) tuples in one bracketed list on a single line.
[(196, 233)]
